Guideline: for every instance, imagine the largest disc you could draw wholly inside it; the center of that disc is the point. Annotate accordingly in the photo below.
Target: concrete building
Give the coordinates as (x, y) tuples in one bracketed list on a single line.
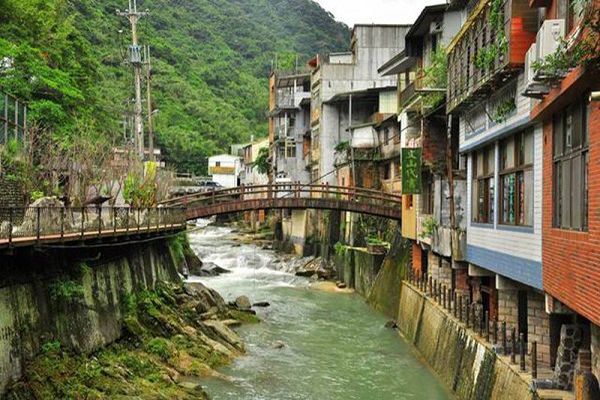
[(347, 74), (289, 121), (567, 105), (225, 169)]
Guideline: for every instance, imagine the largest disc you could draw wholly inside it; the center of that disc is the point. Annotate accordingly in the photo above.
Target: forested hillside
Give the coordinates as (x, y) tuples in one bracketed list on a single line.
[(211, 63)]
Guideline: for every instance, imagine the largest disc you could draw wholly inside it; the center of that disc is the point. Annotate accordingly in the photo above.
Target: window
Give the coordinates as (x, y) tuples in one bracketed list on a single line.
[(570, 156), (482, 189), (387, 171), (516, 180), (218, 163), (427, 195), (290, 149)]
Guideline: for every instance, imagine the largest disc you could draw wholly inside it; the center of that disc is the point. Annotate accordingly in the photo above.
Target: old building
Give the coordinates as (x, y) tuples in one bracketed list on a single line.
[(503, 147), (434, 225), (13, 119), (567, 105), (289, 128)]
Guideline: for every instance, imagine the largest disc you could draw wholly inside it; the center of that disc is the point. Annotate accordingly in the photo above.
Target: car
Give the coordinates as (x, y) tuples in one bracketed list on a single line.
[(208, 186)]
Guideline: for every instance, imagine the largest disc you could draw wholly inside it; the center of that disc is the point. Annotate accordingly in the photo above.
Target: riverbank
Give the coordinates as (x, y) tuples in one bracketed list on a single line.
[(123, 327)]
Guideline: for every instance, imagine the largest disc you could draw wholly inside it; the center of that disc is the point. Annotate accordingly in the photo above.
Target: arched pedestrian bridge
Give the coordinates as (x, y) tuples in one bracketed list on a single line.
[(294, 196)]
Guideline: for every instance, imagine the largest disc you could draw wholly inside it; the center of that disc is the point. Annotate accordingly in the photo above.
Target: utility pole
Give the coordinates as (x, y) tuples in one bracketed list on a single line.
[(149, 101), (135, 59)]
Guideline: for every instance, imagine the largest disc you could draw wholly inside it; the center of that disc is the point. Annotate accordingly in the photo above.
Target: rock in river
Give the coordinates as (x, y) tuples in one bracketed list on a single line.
[(262, 304), (243, 303)]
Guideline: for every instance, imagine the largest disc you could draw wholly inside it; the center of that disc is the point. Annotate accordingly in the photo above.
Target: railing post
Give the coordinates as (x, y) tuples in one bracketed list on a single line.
[(504, 339), (82, 221), (487, 326), (454, 303), (444, 296), (62, 224), (10, 226), (534, 369), (495, 325), (213, 197), (99, 221), (481, 321), (158, 215), (114, 220), (468, 315), (435, 290), (38, 224), (449, 295), (138, 220), (513, 353), (523, 351)]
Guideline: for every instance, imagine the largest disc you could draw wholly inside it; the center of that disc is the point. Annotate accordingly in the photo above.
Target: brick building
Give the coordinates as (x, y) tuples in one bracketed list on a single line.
[(567, 103)]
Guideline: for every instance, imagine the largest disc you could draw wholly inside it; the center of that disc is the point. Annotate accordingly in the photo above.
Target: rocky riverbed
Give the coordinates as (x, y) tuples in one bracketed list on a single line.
[(172, 336)]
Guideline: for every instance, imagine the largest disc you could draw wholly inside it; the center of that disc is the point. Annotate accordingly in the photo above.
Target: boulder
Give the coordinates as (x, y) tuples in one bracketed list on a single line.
[(262, 304), (318, 267), (206, 297), (225, 334), (210, 269), (243, 303)]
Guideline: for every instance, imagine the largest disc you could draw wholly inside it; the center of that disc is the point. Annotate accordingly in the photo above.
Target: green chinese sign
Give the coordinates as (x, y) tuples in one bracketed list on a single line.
[(411, 171)]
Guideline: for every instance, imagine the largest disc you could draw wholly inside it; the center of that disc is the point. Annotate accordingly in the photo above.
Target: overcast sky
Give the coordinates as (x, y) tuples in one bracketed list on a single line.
[(376, 11)]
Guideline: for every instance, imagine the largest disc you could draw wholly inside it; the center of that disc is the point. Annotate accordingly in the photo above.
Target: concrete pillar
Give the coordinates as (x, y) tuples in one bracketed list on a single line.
[(595, 348)]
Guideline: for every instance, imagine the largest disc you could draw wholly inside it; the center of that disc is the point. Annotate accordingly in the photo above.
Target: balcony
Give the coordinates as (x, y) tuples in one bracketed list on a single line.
[(283, 133), (290, 100), (489, 49)]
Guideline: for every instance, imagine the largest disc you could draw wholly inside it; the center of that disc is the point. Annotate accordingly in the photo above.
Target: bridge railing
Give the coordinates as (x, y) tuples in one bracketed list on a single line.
[(289, 190), (23, 224)]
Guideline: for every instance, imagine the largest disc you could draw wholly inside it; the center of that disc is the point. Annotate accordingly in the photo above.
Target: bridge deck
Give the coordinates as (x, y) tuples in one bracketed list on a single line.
[(290, 196), (22, 227)]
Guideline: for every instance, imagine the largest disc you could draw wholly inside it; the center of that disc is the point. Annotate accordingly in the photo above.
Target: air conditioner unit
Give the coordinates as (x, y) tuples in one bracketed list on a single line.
[(533, 88), (436, 27), (530, 59), (549, 36)]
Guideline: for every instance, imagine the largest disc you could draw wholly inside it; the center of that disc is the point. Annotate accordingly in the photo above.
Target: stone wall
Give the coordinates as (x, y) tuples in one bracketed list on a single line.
[(11, 195), (385, 293), (468, 367), (358, 268), (75, 298)]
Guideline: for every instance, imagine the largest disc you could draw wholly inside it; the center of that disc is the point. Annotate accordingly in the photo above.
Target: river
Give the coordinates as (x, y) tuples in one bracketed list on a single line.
[(310, 344)]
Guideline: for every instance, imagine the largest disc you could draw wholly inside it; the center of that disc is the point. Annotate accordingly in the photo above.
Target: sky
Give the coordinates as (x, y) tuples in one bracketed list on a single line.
[(376, 11)]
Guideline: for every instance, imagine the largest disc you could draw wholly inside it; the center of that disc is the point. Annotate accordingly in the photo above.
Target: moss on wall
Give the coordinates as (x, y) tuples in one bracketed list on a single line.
[(385, 293), (467, 366)]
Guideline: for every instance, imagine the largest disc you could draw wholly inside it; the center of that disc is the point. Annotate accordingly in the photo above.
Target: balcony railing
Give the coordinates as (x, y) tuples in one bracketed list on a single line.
[(290, 133), (490, 48), (287, 100)]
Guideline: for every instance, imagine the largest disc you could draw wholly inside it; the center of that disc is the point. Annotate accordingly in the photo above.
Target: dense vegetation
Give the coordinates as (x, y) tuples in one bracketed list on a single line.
[(211, 63)]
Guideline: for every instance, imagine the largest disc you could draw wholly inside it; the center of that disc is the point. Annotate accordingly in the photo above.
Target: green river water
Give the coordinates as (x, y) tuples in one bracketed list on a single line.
[(310, 344)]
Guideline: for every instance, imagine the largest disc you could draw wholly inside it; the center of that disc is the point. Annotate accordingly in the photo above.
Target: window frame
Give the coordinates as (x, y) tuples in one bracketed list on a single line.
[(485, 212), (519, 170), (564, 153)]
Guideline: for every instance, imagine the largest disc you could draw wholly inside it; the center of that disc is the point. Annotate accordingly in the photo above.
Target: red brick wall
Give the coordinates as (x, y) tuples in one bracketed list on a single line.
[(416, 259), (571, 260), (461, 279)]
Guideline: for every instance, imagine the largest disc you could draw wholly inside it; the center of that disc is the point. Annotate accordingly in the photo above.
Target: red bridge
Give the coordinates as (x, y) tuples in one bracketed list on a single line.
[(289, 196)]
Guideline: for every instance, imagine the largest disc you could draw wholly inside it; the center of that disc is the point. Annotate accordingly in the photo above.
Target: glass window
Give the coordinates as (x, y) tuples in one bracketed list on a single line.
[(570, 180), (516, 180), (482, 189)]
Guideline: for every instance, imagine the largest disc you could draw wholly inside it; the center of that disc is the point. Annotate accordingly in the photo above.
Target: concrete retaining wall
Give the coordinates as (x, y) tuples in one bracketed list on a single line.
[(358, 268), (467, 366), (36, 307)]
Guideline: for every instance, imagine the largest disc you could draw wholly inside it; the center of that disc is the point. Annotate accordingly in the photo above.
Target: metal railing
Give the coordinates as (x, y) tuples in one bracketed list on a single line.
[(504, 339), (27, 225)]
